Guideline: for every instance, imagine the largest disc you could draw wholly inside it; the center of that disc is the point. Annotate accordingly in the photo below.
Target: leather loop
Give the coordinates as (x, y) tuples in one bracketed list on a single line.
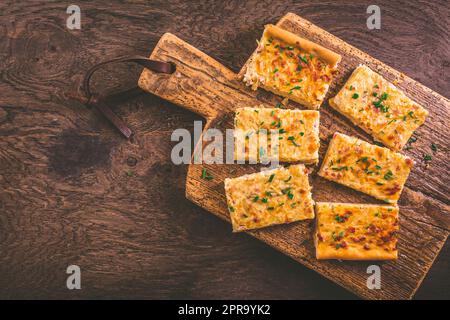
[(98, 102)]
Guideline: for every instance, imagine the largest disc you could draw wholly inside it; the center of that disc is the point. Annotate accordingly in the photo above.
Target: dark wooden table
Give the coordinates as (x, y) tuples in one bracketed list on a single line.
[(73, 191)]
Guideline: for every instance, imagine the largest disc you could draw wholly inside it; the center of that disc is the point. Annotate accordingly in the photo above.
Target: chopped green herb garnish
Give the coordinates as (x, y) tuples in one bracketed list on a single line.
[(205, 175), (302, 134), (380, 183), (271, 177), (304, 59), (427, 157), (286, 190), (340, 168), (350, 88), (256, 198), (393, 120), (434, 147), (363, 159), (288, 179), (389, 175), (268, 193), (264, 200), (231, 208), (412, 140), (275, 71), (355, 96), (270, 208)]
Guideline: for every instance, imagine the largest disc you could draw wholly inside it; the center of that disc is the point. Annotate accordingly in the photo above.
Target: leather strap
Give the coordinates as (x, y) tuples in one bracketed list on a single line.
[(93, 100)]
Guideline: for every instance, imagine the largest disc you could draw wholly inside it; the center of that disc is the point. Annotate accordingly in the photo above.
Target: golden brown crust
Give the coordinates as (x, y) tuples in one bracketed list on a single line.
[(325, 54)]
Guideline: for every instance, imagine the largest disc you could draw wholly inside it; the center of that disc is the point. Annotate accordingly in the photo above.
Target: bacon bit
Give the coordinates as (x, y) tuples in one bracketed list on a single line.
[(343, 244), (255, 219), (351, 230), (366, 247), (373, 229), (393, 190), (315, 76), (325, 78), (319, 236), (360, 239), (409, 162), (386, 238)]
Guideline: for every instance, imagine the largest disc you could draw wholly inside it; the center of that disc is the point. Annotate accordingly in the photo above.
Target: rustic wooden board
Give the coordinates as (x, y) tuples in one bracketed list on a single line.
[(204, 86)]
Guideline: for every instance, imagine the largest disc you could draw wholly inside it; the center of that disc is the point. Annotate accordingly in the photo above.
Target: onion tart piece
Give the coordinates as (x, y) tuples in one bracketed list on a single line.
[(292, 67), (365, 167), (379, 108), (349, 231), (296, 134), (277, 196)]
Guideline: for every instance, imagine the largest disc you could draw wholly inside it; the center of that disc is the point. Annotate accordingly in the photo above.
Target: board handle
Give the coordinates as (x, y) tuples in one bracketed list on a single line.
[(199, 84)]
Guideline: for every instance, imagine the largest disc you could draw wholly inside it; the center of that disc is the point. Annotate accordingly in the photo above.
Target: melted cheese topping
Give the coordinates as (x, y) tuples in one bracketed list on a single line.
[(356, 231), (295, 132), (289, 71), (378, 107), (270, 197), (362, 166)]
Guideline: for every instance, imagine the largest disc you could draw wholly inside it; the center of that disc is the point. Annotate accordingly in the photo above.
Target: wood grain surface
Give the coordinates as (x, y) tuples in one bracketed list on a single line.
[(204, 86), (73, 191)]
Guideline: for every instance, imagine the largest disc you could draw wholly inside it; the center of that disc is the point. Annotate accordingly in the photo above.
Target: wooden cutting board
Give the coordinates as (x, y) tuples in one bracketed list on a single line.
[(204, 86)]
